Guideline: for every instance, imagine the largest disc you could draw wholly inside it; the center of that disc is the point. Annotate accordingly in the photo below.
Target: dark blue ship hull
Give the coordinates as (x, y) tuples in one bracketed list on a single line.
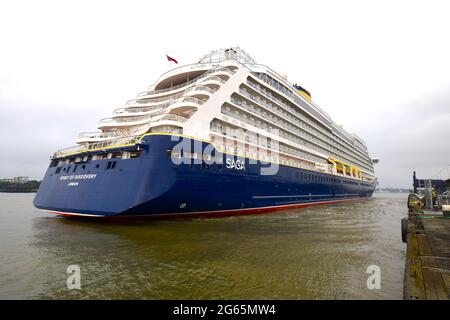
[(151, 185)]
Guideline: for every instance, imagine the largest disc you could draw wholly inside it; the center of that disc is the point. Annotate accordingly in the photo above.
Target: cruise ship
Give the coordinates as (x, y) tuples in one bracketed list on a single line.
[(222, 136)]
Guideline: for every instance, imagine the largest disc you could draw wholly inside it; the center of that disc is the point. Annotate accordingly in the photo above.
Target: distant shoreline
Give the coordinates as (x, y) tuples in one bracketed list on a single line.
[(392, 190), (17, 187), (18, 191)]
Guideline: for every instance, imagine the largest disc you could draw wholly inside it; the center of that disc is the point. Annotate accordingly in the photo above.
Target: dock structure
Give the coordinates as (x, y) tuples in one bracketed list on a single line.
[(427, 270)]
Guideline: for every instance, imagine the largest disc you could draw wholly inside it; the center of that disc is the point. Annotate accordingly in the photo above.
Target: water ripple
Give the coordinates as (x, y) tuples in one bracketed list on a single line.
[(312, 253)]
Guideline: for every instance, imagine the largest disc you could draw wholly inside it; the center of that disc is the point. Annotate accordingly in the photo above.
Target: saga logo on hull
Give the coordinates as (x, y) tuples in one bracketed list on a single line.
[(235, 164)]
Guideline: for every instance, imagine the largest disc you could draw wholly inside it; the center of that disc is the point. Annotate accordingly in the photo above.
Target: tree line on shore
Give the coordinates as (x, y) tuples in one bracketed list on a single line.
[(29, 186)]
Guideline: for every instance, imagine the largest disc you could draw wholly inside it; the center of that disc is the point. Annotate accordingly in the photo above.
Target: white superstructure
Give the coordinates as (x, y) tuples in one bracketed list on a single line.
[(226, 93)]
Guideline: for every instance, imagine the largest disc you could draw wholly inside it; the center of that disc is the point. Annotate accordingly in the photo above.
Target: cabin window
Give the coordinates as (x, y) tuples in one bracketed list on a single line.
[(135, 154), (111, 165), (53, 163)]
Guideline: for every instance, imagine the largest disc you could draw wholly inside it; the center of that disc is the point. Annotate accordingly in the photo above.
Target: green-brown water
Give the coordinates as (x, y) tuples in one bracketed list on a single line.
[(314, 253)]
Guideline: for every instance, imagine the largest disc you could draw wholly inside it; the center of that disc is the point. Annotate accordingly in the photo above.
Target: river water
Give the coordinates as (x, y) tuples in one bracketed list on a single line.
[(321, 252)]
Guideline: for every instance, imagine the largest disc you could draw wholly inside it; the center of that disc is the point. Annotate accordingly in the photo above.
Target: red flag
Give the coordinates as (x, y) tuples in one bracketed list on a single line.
[(171, 59)]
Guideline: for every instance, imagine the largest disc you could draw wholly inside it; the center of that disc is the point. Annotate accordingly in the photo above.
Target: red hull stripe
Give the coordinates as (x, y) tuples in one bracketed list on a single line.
[(217, 213)]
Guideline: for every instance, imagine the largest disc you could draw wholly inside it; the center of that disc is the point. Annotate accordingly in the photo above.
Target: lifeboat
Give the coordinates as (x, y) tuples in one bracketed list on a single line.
[(302, 91)]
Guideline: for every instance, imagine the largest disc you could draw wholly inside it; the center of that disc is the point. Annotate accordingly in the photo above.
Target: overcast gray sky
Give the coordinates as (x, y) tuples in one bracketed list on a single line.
[(380, 68)]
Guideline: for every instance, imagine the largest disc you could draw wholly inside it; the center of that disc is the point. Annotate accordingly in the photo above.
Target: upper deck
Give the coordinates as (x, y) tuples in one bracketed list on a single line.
[(227, 86)]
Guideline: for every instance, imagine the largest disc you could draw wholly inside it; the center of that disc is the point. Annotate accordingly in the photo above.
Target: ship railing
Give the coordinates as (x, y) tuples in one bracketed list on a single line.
[(107, 121), (172, 117), (132, 101), (141, 101), (281, 156), (99, 135), (279, 120), (153, 92), (121, 111), (189, 99), (300, 133), (147, 117), (153, 100), (184, 84), (214, 78), (305, 122), (143, 93), (223, 54), (219, 69), (280, 113), (201, 88), (295, 97), (97, 146)]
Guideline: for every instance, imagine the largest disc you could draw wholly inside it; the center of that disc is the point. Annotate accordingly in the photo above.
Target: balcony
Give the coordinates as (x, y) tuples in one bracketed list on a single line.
[(110, 143), (169, 117), (222, 71), (133, 112), (161, 91), (86, 137), (200, 90), (185, 106), (148, 101), (126, 117), (123, 122), (213, 79)]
